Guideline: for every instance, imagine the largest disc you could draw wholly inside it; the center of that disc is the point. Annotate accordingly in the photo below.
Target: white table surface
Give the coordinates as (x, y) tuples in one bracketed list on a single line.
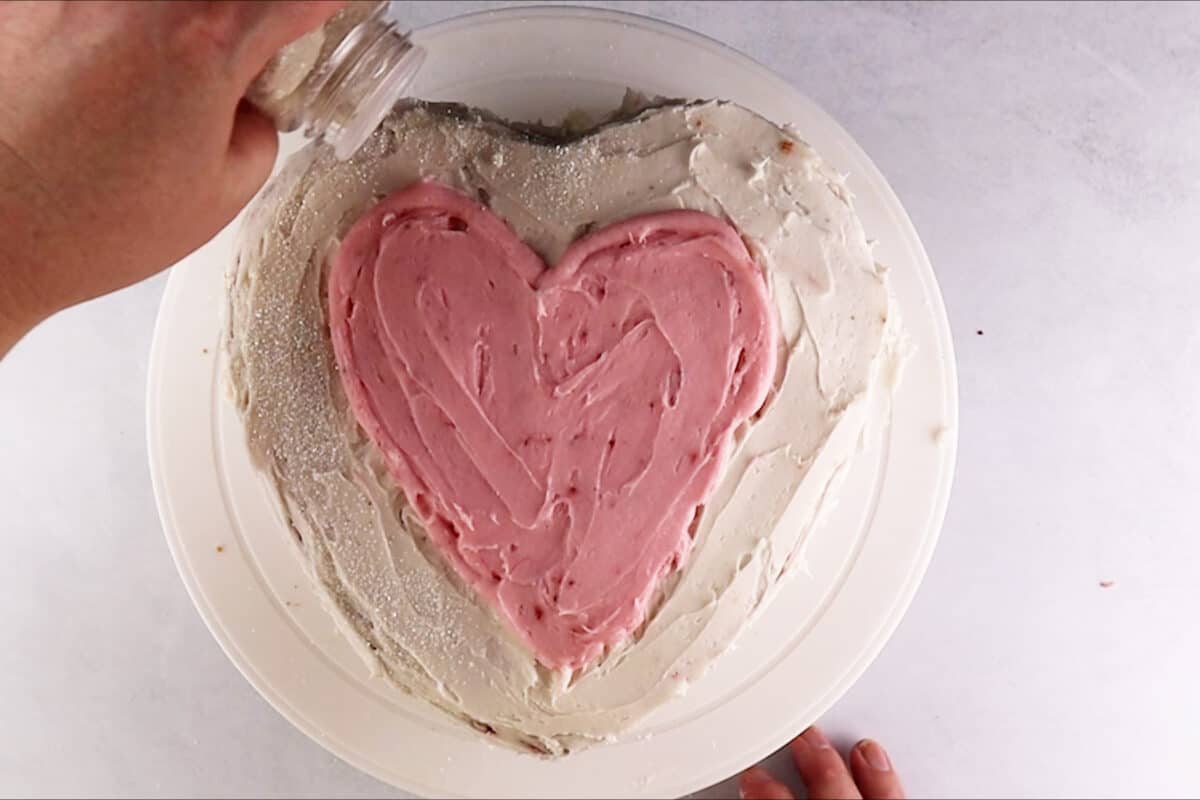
[(1050, 158)]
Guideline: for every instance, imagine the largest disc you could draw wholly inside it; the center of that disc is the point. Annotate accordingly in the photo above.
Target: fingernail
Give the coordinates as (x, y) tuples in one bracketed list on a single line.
[(750, 781), (809, 744), (875, 756), (813, 737)]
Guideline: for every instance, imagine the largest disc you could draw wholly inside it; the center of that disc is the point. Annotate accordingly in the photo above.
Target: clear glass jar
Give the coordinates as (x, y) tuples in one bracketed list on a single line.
[(339, 81)]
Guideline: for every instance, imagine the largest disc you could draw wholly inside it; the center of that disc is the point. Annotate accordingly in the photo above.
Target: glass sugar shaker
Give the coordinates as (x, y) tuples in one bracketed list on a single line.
[(339, 81)]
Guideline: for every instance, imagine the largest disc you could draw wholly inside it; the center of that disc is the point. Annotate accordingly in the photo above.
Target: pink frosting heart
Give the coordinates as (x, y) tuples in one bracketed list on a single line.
[(556, 430)]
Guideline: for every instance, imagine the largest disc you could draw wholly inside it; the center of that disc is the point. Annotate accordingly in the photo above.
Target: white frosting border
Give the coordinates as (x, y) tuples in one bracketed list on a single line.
[(397, 601)]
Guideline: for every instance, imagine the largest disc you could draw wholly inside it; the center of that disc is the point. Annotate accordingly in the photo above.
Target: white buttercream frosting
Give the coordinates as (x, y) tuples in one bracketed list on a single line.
[(417, 622)]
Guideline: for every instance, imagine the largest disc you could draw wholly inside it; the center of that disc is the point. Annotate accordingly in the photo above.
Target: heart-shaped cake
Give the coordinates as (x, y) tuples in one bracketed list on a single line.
[(550, 417)]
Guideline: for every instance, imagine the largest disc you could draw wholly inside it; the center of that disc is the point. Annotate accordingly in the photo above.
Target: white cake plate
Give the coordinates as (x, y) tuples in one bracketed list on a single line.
[(798, 657)]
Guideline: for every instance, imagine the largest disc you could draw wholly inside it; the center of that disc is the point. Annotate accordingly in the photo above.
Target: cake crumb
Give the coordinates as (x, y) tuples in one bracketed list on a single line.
[(1107, 584), (204, 350), (220, 548), (786, 145)]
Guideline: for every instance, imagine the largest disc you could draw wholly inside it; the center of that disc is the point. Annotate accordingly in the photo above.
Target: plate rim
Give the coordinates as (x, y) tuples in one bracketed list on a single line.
[(937, 313)]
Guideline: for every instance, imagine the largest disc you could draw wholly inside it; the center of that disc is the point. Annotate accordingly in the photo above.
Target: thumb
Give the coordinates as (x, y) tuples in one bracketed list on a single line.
[(253, 146)]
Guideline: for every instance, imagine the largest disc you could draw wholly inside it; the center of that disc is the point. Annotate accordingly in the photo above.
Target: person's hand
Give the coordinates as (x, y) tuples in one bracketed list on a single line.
[(124, 144), (826, 776)]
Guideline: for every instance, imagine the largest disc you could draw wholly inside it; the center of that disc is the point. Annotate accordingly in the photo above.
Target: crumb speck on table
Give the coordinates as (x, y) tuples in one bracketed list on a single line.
[(204, 350), (220, 548), (786, 145), (1107, 584), (979, 333)]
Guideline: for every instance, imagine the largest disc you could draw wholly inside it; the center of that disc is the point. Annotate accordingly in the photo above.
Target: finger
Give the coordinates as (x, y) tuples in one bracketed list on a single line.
[(270, 26), (822, 769), (253, 145), (757, 784), (872, 770)]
